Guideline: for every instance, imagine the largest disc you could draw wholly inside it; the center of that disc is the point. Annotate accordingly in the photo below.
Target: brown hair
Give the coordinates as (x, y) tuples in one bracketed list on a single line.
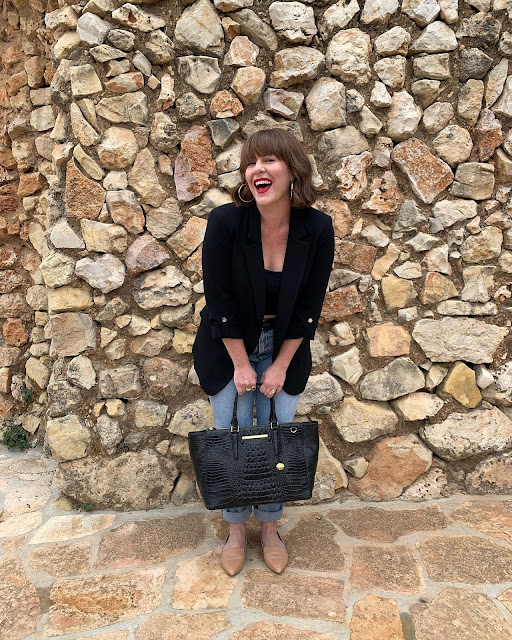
[(286, 147)]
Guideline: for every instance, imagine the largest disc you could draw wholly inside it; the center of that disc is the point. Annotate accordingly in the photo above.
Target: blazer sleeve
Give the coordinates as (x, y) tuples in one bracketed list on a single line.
[(308, 306), (218, 277)]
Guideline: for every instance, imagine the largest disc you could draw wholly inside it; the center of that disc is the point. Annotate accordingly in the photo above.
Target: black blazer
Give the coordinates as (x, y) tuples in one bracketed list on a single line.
[(234, 288)]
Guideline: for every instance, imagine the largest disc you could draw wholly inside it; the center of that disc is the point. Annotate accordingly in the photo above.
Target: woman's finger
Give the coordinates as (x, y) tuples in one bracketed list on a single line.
[(245, 381), (241, 386)]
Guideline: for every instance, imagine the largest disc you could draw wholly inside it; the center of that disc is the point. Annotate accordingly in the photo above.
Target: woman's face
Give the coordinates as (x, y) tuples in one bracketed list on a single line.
[(269, 180)]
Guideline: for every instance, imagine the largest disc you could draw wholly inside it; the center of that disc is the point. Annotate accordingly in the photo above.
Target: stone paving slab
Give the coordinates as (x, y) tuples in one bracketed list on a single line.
[(395, 570)]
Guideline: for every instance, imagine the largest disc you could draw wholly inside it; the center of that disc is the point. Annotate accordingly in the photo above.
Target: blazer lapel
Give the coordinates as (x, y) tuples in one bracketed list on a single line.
[(293, 269), (254, 257)]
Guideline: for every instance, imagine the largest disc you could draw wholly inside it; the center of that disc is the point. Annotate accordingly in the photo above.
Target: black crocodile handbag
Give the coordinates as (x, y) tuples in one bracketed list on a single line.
[(240, 466)]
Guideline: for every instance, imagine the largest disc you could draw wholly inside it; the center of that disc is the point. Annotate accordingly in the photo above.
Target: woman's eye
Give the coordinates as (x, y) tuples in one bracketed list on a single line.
[(269, 159), (250, 164)]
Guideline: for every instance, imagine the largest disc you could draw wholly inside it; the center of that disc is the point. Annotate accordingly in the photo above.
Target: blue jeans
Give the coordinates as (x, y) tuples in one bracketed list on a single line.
[(222, 405)]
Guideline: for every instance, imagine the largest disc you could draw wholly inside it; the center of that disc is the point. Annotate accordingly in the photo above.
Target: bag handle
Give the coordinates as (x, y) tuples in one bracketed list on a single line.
[(273, 417)]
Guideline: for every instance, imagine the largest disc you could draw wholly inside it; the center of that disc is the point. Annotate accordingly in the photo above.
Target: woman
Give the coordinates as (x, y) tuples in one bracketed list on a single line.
[(266, 263)]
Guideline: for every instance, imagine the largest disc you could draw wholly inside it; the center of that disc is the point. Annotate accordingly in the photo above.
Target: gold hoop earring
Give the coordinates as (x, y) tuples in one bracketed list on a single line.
[(291, 190), (239, 189)]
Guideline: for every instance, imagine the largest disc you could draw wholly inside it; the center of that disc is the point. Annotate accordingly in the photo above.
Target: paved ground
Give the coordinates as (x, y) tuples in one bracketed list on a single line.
[(359, 571)]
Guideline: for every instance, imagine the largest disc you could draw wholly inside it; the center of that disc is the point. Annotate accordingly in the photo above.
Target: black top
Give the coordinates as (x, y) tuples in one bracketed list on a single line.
[(234, 288), (272, 286)]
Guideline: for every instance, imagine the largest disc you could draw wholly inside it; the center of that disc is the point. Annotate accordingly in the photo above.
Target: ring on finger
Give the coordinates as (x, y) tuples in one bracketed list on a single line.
[(272, 391)]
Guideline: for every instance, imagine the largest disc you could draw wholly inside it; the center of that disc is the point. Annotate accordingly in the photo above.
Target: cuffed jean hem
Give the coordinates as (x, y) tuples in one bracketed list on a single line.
[(269, 516), (241, 514)]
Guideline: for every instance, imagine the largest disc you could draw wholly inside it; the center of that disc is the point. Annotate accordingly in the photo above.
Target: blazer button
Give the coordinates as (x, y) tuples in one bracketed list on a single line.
[(310, 320), (224, 319)]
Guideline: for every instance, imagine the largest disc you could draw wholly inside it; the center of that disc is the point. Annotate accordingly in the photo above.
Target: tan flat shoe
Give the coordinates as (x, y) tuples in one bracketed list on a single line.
[(275, 557), (232, 560)]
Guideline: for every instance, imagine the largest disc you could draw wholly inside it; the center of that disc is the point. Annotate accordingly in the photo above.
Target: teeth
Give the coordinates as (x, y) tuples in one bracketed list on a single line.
[(262, 183)]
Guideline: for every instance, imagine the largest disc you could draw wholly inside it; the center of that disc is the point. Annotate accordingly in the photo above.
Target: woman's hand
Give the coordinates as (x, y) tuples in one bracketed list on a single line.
[(245, 378), (272, 380)]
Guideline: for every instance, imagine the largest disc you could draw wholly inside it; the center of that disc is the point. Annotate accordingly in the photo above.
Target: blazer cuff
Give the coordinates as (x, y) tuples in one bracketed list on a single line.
[(225, 328), (301, 329)]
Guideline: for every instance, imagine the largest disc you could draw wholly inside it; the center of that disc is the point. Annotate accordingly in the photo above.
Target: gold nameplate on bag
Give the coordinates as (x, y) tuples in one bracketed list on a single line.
[(263, 435), (279, 466)]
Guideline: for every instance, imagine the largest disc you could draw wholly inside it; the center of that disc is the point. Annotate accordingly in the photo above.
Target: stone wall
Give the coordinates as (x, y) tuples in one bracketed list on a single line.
[(122, 129), (25, 73)]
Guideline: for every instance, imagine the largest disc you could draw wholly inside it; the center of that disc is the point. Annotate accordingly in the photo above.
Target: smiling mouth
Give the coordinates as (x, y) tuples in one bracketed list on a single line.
[(263, 185)]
